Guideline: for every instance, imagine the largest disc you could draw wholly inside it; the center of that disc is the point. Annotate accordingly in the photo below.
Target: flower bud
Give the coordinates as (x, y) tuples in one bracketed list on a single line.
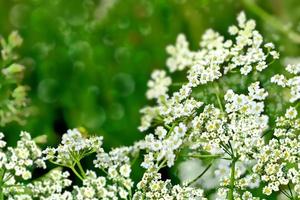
[(14, 71), (15, 39)]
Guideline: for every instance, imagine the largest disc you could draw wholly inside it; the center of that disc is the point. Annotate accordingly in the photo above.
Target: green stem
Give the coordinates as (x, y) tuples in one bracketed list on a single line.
[(76, 173), (291, 195), (232, 179), (1, 193), (297, 105), (218, 97), (171, 129), (200, 175), (205, 156), (178, 84), (212, 157), (81, 169), (130, 194), (286, 194), (272, 21), (162, 164), (2, 172), (225, 149)]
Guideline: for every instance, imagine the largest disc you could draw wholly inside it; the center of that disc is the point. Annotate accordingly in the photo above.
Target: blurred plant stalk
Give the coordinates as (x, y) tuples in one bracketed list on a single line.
[(272, 21)]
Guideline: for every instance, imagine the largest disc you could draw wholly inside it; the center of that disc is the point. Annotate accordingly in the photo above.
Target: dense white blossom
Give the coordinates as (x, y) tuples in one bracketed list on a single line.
[(278, 161), (74, 146), (152, 187), (164, 148), (232, 130), (18, 161), (159, 84), (293, 82), (215, 58)]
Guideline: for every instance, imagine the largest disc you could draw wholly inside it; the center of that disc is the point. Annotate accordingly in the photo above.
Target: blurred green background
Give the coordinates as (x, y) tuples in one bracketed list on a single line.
[(88, 61)]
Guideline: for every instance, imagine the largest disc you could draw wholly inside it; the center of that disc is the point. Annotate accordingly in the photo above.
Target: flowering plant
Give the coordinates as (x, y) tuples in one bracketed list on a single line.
[(14, 101), (202, 119)]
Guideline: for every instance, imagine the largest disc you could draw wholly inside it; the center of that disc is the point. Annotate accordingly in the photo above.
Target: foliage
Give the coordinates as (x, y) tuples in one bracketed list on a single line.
[(14, 101)]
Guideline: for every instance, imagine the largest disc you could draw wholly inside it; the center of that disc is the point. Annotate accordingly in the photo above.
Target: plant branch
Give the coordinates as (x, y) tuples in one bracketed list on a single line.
[(232, 179), (76, 173), (80, 168), (200, 175), (218, 97), (2, 172)]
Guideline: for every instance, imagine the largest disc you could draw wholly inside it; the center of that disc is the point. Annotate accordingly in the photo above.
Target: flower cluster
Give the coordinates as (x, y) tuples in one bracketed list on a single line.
[(216, 58), (97, 188), (152, 187), (292, 83), (116, 184), (239, 128), (52, 183), (159, 84), (14, 105), (16, 162), (231, 131), (117, 165), (278, 161), (74, 147), (163, 144), (237, 148)]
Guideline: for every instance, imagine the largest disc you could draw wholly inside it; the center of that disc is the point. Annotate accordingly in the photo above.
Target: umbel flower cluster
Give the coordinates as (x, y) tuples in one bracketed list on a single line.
[(218, 118)]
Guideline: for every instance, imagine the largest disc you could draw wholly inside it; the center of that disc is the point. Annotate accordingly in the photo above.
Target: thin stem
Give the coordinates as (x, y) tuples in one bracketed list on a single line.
[(1, 192), (171, 129), (230, 146), (290, 191), (205, 156), (297, 105), (225, 149), (103, 170), (8, 177), (81, 169), (218, 97), (130, 194), (272, 21), (134, 160), (200, 175), (71, 167), (2, 173), (285, 194), (232, 177), (162, 164), (201, 156), (58, 164), (178, 84), (76, 173), (265, 133)]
